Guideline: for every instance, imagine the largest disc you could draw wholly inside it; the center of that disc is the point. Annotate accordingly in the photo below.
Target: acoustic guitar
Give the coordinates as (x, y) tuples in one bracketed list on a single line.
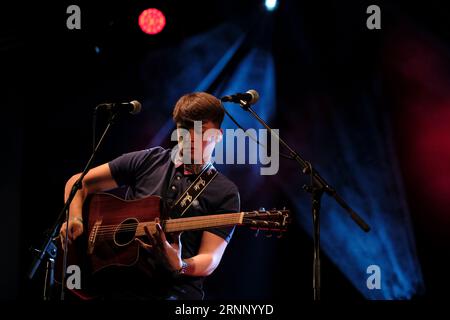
[(112, 224)]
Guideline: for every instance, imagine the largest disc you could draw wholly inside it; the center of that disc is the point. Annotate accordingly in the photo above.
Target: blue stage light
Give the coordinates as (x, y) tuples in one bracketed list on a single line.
[(271, 4)]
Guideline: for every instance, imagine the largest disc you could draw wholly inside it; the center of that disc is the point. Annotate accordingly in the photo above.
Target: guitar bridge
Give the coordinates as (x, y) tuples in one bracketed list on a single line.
[(93, 237)]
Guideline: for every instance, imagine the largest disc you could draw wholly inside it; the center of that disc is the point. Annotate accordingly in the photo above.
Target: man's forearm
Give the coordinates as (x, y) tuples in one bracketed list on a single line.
[(76, 206)]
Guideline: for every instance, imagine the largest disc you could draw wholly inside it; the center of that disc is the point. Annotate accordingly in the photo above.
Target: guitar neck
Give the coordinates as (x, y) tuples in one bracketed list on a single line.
[(196, 223)]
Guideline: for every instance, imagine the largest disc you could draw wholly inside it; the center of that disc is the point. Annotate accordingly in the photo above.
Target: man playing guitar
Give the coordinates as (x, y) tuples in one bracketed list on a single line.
[(171, 266)]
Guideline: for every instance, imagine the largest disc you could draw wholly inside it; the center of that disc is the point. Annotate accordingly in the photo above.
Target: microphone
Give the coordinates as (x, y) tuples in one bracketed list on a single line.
[(250, 97), (133, 107)]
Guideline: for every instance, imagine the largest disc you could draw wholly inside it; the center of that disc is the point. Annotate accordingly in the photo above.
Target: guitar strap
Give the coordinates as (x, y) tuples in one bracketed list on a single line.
[(195, 189)]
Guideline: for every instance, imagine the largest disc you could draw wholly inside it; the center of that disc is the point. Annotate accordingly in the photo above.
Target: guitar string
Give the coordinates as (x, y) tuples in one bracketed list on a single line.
[(184, 220), (134, 224), (172, 227), (106, 235), (177, 225), (106, 228)]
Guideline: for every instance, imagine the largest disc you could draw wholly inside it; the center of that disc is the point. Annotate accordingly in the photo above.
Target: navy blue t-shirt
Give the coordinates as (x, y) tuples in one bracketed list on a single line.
[(152, 172)]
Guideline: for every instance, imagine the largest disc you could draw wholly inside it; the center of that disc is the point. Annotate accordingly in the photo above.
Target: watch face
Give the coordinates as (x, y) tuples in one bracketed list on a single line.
[(184, 267)]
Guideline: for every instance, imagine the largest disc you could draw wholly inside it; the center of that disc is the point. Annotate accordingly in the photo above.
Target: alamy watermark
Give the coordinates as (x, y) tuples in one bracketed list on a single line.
[(374, 280), (374, 20), (196, 146), (74, 19)]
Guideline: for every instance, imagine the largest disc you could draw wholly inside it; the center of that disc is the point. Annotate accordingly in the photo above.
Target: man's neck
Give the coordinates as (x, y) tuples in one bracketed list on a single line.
[(196, 168), (193, 168)]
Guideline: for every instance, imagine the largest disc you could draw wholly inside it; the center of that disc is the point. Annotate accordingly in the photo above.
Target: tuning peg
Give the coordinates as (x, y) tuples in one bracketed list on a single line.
[(256, 233)]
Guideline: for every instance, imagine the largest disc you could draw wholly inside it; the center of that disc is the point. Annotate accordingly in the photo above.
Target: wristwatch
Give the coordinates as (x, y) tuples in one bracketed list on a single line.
[(184, 266), (76, 218)]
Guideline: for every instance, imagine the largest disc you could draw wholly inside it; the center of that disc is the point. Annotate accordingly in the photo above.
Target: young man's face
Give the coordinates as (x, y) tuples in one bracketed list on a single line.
[(197, 143)]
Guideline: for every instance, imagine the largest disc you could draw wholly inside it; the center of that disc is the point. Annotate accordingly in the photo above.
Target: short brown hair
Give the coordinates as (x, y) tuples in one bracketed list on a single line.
[(198, 106)]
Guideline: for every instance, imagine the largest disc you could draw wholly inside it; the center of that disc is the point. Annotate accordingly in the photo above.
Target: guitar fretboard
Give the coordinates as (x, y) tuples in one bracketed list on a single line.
[(196, 223)]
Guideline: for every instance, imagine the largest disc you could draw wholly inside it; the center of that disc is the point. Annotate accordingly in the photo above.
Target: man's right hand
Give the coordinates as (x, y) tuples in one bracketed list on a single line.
[(75, 230), (97, 179)]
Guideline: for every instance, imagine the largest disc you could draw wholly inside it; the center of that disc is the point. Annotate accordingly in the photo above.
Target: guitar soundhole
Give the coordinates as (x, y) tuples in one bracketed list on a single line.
[(125, 232)]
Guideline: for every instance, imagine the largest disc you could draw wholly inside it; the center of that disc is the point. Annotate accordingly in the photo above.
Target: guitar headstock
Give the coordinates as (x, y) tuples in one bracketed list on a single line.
[(268, 220)]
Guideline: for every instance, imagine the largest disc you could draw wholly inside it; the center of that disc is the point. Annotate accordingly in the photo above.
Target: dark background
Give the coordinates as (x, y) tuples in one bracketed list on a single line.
[(327, 66)]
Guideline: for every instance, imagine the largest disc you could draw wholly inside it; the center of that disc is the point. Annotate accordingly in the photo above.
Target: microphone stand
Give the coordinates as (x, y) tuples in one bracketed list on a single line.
[(318, 186), (48, 249)]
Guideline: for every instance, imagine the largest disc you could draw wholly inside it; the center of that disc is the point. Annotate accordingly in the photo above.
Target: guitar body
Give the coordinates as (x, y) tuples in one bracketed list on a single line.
[(111, 228), (108, 238)]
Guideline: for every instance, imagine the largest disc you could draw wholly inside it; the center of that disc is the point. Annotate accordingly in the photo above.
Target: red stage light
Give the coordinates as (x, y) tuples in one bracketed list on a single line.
[(152, 21)]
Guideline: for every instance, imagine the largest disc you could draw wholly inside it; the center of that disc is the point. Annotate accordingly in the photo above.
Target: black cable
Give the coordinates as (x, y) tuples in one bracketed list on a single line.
[(94, 128)]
